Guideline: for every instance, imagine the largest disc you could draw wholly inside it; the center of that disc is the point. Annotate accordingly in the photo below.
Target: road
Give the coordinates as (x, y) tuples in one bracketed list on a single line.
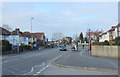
[(28, 63), (83, 59), (38, 63)]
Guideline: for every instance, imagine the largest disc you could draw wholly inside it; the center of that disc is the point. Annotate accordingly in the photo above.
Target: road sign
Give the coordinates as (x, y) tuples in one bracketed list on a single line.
[(32, 41)]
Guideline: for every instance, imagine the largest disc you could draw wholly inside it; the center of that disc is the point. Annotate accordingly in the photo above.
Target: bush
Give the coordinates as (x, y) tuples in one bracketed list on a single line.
[(96, 43), (101, 43), (25, 46), (117, 41), (112, 43), (106, 43), (5, 45)]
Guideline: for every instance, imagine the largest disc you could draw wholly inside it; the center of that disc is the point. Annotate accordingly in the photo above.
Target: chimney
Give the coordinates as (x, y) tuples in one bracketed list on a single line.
[(17, 29), (113, 26)]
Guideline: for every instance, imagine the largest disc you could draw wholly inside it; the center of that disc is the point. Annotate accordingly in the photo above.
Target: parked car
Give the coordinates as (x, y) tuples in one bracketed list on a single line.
[(63, 48)]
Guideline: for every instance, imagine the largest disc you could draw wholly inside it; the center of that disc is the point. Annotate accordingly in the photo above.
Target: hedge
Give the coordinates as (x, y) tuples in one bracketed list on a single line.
[(116, 41), (6, 46)]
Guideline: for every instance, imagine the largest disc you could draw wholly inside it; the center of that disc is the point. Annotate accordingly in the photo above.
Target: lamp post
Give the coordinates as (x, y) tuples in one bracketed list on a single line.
[(31, 24), (31, 34)]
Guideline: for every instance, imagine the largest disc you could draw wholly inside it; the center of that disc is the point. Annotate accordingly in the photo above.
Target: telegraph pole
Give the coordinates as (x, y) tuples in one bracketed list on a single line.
[(89, 39)]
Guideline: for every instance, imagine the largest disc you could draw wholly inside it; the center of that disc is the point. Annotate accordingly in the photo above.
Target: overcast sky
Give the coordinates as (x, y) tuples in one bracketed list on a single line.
[(70, 18)]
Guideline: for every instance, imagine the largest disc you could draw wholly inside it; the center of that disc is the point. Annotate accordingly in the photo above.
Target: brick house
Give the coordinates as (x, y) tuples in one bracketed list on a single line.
[(67, 40), (4, 34), (41, 38)]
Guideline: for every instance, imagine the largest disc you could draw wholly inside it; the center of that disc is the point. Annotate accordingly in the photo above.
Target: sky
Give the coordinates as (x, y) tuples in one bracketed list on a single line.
[(69, 18)]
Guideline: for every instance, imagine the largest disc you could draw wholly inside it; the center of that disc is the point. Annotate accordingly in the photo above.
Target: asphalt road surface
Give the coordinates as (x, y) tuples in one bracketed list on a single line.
[(28, 63), (83, 60), (38, 63)]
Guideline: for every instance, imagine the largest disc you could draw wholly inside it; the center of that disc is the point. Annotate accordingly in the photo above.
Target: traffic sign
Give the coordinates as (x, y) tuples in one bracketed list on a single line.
[(32, 41)]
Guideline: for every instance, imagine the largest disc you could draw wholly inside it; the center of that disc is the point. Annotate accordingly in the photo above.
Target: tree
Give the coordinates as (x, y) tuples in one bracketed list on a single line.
[(57, 36), (7, 27), (75, 37), (94, 34), (81, 37), (86, 39)]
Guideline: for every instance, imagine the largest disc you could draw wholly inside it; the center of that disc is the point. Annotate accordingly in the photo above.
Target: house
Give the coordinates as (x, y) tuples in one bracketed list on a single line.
[(118, 29), (18, 38), (30, 38), (67, 40), (104, 36), (59, 41), (112, 33), (41, 38), (4, 34)]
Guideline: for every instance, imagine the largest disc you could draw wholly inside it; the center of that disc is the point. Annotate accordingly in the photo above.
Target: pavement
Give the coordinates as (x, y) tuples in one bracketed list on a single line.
[(40, 62), (82, 60)]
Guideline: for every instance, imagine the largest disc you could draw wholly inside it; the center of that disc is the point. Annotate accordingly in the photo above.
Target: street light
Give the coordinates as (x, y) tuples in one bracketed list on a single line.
[(31, 34), (31, 24)]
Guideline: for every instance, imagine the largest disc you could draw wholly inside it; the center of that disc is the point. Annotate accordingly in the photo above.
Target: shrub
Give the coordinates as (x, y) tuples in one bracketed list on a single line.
[(5, 45), (101, 43), (117, 41), (25, 46), (96, 43), (106, 43), (112, 43)]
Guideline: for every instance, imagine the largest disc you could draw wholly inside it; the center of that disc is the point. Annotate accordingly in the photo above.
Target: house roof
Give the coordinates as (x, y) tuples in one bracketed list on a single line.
[(102, 33), (113, 28), (118, 25), (16, 31), (29, 34), (4, 31), (39, 35)]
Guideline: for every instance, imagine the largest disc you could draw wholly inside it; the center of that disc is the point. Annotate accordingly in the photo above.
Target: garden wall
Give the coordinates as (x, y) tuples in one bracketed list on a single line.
[(105, 51)]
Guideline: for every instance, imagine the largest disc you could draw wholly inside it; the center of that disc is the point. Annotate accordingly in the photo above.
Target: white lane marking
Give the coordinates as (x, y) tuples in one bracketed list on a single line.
[(10, 60), (32, 69), (5, 61), (41, 70), (57, 57), (92, 68), (81, 53)]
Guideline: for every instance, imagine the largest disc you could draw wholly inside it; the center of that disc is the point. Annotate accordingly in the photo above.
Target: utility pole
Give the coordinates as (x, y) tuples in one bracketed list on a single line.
[(52, 33), (90, 39)]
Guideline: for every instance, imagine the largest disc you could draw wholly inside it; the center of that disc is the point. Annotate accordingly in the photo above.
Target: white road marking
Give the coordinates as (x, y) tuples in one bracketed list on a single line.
[(5, 61), (41, 70), (81, 53), (10, 60), (32, 69)]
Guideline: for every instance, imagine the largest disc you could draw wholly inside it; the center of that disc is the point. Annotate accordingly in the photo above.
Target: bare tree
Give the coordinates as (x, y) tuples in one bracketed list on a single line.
[(7, 27), (57, 36), (76, 37)]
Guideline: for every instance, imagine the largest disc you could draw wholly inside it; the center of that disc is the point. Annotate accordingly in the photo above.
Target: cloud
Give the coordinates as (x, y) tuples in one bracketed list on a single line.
[(68, 18)]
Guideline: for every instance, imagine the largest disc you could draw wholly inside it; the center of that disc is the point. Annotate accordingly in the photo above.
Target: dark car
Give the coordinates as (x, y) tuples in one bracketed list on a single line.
[(63, 48)]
